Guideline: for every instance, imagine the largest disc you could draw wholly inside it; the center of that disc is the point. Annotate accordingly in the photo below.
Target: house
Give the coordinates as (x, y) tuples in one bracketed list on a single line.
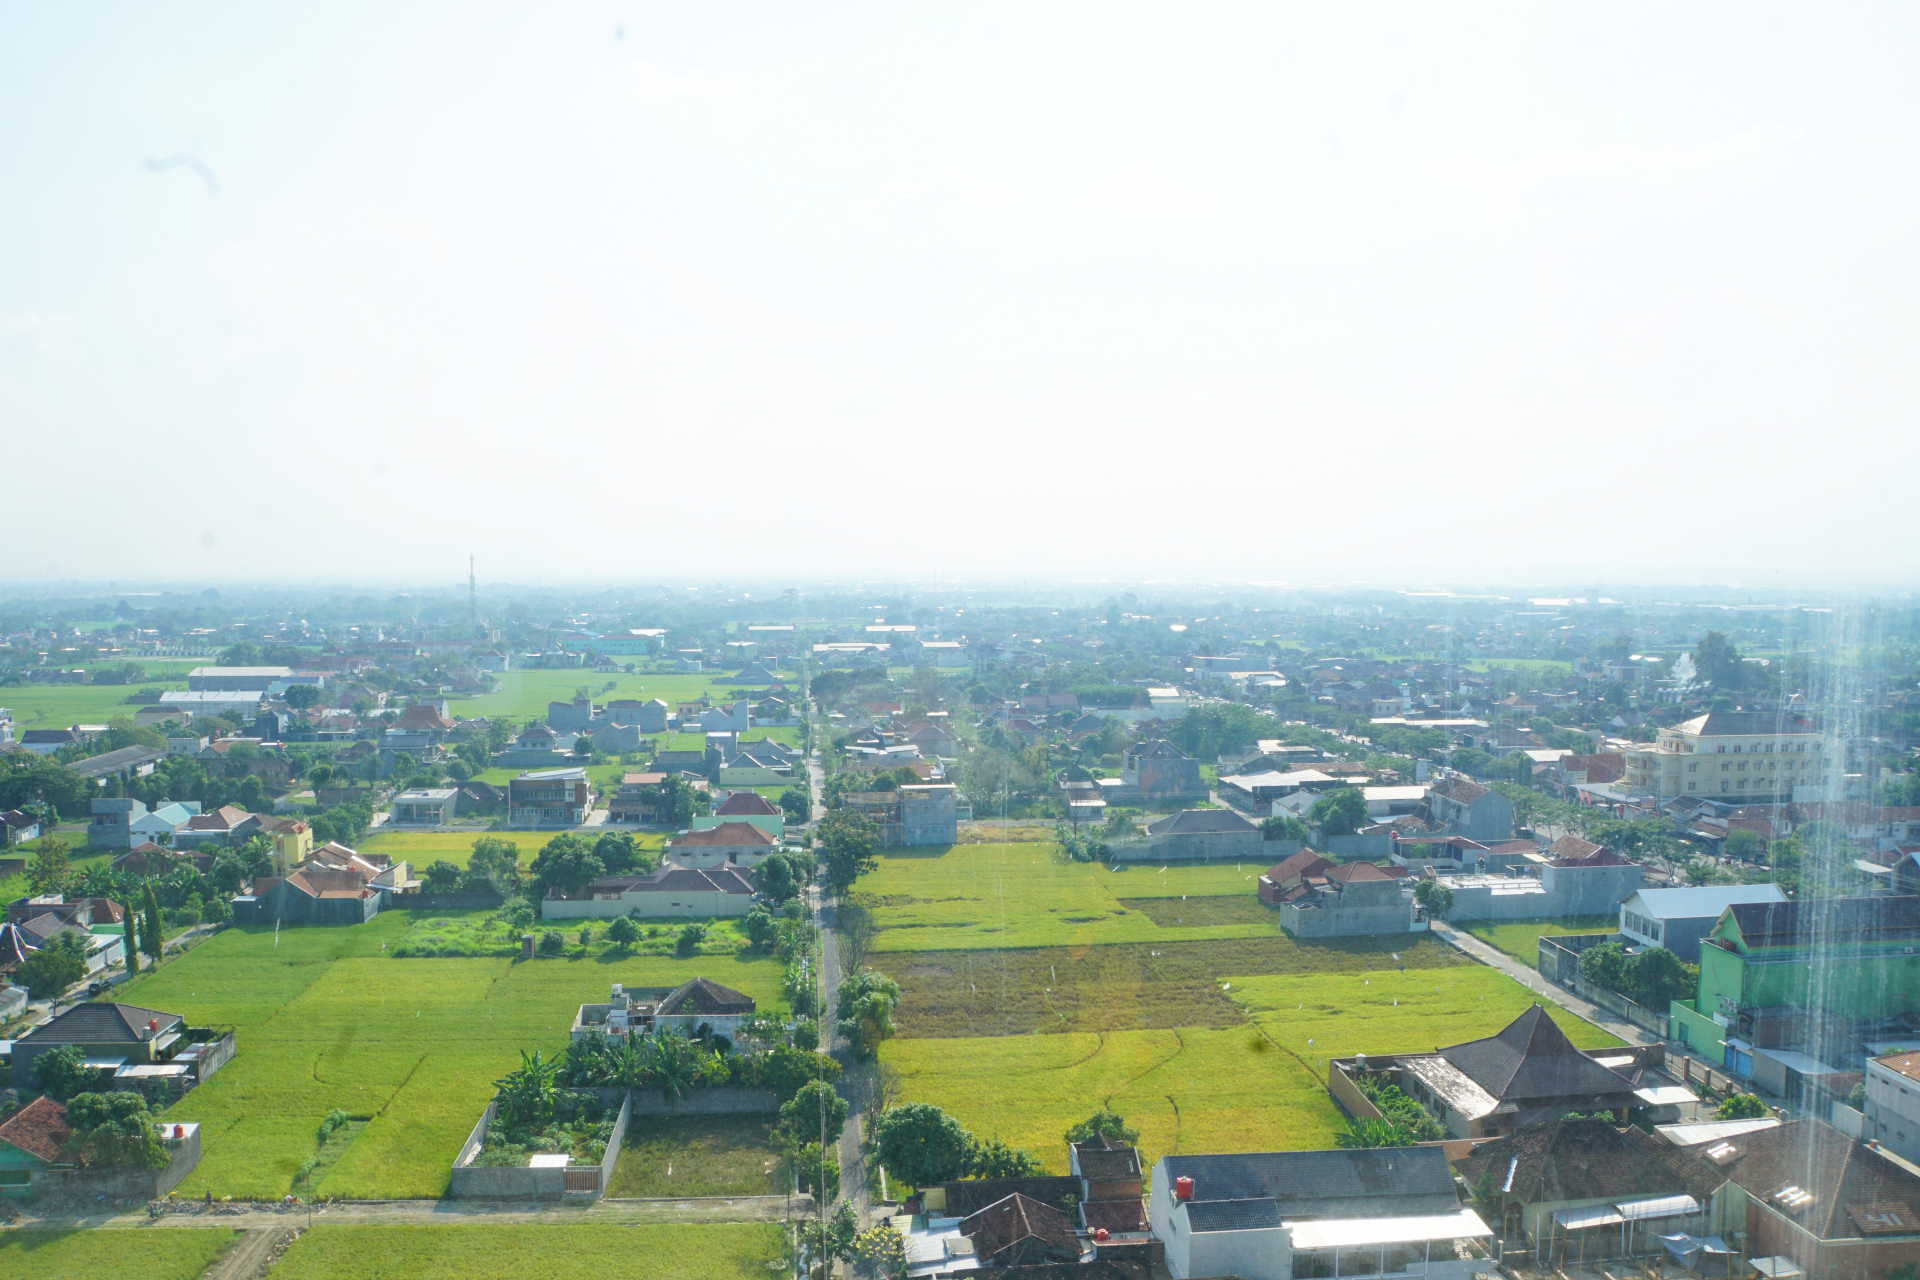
[(1111, 1186), (110, 825), (1021, 1232), (1203, 833), (576, 715), (112, 1036), (1678, 919), (1350, 900), (548, 798), (425, 806), (638, 798), (1831, 1206), (671, 890), (648, 717), (1526, 1073), (17, 827), (227, 825), (337, 885), (1290, 1215), (44, 742), (694, 762), (694, 1004), (32, 1139), (242, 704), (37, 931), (292, 840), (147, 859), (737, 718), (1290, 878), (127, 762), (1461, 806), (1893, 1104), (1157, 770), (1579, 1190), (746, 806), (740, 843), (756, 764)]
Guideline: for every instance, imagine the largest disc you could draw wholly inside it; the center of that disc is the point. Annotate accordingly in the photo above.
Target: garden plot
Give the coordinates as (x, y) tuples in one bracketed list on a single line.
[(1521, 938), (717, 1251), (667, 1156), (326, 1017)]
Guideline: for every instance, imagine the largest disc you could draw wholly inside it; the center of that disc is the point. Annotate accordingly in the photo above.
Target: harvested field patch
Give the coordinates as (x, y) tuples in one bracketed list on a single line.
[(1118, 988), (1173, 912)]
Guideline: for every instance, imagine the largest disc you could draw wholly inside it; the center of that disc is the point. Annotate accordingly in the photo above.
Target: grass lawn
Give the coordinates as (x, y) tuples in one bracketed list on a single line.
[(1256, 1086), (17, 887), (486, 933), (1520, 938), (174, 1254), (696, 1156), (1024, 895), (326, 1017), (716, 1251)]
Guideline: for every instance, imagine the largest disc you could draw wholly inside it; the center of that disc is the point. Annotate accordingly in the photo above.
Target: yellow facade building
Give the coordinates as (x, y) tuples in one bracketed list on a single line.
[(1755, 756)]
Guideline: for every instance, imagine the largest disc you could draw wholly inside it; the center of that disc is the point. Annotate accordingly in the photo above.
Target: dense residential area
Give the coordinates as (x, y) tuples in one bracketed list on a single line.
[(941, 929)]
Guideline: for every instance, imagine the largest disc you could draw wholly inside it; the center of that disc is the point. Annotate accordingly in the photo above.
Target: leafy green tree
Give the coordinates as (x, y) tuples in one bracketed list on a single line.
[(815, 1115), (921, 1145), (620, 854), (777, 877), (552, 942), (1104, 1124), (114, 1130), (1742, 1106), (130, 944), (62, 1072), (1340, 811), (623, 933), (153, 933), (761, 927), (795, 805), (1743, 844), (1658, 977), (51, 970), (1715, 658), (566, 865), (494, 866), (48, 870), (785, 1069), (829, 1241), (993, 1158), (1283, 826), (846, 842), (690, 939), (1605, 966), (1437, 898), (441, 877)]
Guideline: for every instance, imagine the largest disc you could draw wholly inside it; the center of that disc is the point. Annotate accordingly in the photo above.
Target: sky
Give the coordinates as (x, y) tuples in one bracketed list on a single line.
[(1406, 294)]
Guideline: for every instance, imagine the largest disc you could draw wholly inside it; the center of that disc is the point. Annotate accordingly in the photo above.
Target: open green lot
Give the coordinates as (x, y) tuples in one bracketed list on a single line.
[(36, 1254), (716, 1251), (424, 847), (326, 1017), (56, 706), (1256, 1086), (524, 695), (985, 896), (1521, 938), (667, 1156)]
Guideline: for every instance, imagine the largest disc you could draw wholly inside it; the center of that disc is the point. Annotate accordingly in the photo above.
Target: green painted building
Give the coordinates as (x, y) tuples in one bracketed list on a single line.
[(1780, 973), (31, 1139)]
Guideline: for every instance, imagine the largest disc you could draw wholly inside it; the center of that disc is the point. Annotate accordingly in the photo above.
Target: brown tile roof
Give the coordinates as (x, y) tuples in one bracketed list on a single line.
[(1115, 1215), (742, 804), (39, 1129), (1354, 872), (1017, 1219), (703, 995), (1570, 1159), (317, 882), (1304, 863), (727, 835), (1460, 790), (1572, 847), (1848, 1179)]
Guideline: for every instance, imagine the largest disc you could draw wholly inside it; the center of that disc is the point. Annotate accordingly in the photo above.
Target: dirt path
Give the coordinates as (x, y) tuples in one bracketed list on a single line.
[(251, 1253)]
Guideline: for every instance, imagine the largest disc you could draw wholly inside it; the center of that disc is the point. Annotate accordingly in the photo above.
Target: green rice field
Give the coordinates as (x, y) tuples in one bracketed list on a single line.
[(524, 695), (696, 1156), (326, 1017), (38, 1254), (56, 706), (716, 1251)]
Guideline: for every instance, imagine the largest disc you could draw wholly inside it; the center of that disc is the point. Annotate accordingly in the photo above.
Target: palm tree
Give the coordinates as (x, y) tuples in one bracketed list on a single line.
[(526, 1095), (1363, 1134)]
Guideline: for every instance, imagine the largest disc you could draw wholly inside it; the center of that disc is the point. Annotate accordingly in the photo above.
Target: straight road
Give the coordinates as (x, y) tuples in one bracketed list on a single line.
[(1531, 979), (853, 1170)]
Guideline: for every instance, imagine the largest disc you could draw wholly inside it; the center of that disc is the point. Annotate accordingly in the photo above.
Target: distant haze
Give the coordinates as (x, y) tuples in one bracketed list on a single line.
[(1279, 293)]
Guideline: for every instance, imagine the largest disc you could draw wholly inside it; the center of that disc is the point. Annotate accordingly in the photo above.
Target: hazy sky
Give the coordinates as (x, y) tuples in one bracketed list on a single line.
[(1620, 292)]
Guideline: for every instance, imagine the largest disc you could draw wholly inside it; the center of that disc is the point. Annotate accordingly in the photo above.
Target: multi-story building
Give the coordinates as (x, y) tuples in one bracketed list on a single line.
[(1893, 1104), (1744, 755), (548, 798)]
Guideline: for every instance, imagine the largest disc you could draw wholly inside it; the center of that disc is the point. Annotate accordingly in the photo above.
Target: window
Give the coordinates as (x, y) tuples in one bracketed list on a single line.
[(1400, 1259), (1725, 767), (1313, 1264), (1694, 767), (1736, 750), (1364, 1261)]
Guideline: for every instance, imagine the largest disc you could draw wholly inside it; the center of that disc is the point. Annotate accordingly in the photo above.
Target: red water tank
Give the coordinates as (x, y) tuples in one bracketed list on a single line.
[(179, 1131), (153, 1026), (1183, 1188), (1100, 1234)]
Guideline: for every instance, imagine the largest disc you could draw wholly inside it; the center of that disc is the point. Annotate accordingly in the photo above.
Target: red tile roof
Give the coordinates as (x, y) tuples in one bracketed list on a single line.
[(39, 1129), (726, 835)]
